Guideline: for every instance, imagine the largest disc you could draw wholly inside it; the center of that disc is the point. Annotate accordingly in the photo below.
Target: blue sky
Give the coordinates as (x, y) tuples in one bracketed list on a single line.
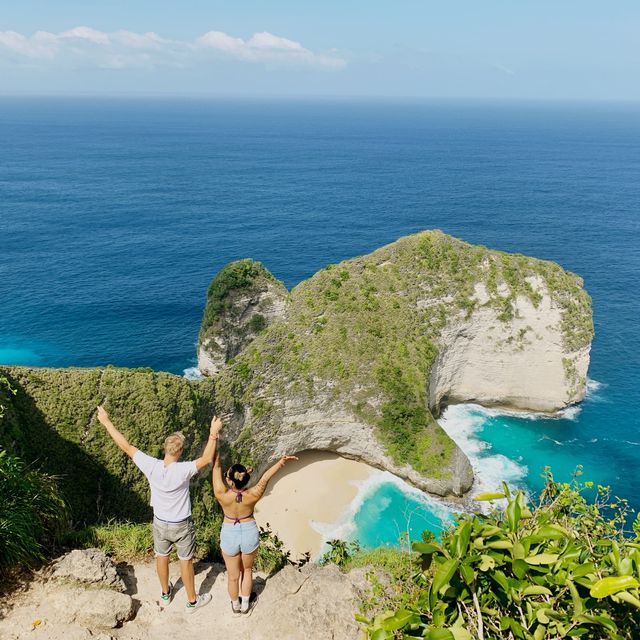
[(565, 49)]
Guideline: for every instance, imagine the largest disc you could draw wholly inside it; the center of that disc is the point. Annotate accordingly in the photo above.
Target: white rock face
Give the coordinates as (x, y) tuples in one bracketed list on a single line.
[(520, 364), (248, 313), (305, 428)]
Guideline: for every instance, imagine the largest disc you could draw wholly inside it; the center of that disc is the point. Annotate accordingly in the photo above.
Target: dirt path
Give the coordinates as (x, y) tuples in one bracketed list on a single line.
[(314, 602)]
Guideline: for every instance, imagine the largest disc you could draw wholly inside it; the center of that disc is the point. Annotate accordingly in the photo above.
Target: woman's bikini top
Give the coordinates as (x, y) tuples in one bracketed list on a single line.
[(238, 520)]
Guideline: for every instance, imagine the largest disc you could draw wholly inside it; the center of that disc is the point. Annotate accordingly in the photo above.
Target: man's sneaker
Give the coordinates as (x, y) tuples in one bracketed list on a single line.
[(166, 597), (235, 608), (201, 601)]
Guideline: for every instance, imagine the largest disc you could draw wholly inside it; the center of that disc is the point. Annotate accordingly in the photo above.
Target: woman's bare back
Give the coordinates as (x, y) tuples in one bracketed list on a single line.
[(234, 509)]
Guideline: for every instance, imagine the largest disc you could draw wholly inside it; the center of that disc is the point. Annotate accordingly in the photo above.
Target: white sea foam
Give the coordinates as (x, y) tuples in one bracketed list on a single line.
[(462, 422), (593, 386), (345, 528), (192, 373), (593, 389), (570, 413)]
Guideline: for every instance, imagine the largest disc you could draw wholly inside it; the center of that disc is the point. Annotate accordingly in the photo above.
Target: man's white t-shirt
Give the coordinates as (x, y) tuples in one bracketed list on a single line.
[(169, 486)]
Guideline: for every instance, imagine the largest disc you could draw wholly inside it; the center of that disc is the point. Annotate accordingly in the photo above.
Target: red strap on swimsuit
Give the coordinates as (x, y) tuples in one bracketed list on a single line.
[(238, 520)]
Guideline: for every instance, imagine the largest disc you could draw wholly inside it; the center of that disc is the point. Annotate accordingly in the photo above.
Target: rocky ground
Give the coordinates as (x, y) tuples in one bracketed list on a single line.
[(82, 597)]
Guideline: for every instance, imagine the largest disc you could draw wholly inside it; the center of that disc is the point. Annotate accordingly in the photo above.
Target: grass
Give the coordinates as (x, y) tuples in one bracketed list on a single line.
[(33, 513)]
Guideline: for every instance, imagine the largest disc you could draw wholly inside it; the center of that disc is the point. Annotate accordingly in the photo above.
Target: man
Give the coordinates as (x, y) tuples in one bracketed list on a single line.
[(172, 524)]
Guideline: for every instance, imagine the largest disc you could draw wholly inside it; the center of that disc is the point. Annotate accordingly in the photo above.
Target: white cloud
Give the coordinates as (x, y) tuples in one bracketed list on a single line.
[(267, 47), (122, 49), (85, 33), (266, 40)]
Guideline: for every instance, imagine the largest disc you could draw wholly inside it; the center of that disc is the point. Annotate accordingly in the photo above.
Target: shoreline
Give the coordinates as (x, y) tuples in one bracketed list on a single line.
[(309, 495)]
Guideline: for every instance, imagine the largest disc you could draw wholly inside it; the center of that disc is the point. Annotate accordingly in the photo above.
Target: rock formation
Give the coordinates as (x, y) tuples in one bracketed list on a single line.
[(314, 603), (89, 567), (243, 299), (368, 352)]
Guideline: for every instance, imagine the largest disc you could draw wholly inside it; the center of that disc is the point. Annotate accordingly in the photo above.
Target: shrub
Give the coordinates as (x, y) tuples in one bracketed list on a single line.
[(340, 553), (561, 569), (32, 515), (272, 555)]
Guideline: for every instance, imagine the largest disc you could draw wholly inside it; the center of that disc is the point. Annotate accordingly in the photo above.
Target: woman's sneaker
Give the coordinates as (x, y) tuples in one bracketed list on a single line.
[(248, 607), (201, 601), (166, 597)]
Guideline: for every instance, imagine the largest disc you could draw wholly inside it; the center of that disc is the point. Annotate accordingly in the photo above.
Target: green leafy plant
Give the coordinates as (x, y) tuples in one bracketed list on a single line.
[(272, 554), (561, 569), (32, 514), (340, 552)]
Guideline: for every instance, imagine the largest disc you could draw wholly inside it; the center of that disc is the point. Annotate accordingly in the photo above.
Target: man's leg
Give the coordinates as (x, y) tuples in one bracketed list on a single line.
[(188, 579), (162, 568), (162, 548), (185, 539)]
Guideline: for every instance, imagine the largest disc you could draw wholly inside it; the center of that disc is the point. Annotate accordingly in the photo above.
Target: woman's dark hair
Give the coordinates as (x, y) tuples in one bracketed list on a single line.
[(239, 475)]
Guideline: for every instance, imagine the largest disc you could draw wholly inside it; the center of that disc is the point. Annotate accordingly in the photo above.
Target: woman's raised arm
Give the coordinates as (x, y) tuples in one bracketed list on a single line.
[(219, 486), (261, 486)]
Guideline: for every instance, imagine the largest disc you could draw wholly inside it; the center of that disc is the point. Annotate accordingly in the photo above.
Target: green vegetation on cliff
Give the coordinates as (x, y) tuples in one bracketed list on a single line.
[(234, 278), (364, 333), (50, 423)]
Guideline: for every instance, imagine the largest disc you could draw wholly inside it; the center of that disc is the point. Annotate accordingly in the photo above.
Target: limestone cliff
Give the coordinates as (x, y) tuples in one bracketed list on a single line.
[(369, 350), (242, 300)]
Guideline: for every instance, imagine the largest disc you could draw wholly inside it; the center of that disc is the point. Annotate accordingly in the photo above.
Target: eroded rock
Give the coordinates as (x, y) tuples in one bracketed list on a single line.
[(88, 566), (93, 608)]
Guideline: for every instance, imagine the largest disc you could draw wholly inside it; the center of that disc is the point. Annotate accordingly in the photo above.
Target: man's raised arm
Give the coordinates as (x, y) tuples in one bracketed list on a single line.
[(210, 450), (118, 438)]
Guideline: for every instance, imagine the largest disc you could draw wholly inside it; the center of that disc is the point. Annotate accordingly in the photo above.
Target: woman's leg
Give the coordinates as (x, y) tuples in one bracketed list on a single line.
[(247, 573), (234, 569)]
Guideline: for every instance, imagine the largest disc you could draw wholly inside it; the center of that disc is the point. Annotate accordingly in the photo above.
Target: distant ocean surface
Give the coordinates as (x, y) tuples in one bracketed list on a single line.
[(115, 214)]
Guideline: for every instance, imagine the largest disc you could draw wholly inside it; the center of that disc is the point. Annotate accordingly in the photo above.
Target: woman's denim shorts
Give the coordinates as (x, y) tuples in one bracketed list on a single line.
[(242, 537)]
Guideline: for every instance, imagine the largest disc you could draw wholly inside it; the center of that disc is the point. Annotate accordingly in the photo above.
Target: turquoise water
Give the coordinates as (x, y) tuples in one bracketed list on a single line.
[(115, 215), (392, 513)]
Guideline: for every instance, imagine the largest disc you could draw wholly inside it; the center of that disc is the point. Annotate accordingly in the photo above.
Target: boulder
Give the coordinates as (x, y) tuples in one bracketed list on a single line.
[(88, 566), (93, 608), (313, 602)]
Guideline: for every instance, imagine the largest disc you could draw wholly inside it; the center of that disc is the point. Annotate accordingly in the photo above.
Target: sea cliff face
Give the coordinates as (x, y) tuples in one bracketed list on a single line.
[(365, 354)]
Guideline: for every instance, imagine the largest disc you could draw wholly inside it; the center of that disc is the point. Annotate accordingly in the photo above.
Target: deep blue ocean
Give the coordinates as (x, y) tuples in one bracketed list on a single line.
[(116, 213)]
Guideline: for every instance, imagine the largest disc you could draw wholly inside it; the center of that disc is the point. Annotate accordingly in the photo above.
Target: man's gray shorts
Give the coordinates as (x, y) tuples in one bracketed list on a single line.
[(182, 534)]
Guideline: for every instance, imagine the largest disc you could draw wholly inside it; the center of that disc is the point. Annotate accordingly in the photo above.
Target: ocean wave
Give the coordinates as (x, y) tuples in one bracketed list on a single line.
[(192, 373), (593, 387), (345, 527), (462, 423), (570, 413)]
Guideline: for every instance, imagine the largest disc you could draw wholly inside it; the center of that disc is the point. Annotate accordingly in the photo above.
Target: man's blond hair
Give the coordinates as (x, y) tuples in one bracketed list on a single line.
[(174, 444)]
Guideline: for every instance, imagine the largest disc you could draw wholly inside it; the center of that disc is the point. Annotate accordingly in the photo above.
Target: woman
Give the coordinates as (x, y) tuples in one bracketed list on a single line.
[(239, 537)]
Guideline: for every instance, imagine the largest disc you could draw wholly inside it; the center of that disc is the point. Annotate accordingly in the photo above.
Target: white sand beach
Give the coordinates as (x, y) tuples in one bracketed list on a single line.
[(318, 488)]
